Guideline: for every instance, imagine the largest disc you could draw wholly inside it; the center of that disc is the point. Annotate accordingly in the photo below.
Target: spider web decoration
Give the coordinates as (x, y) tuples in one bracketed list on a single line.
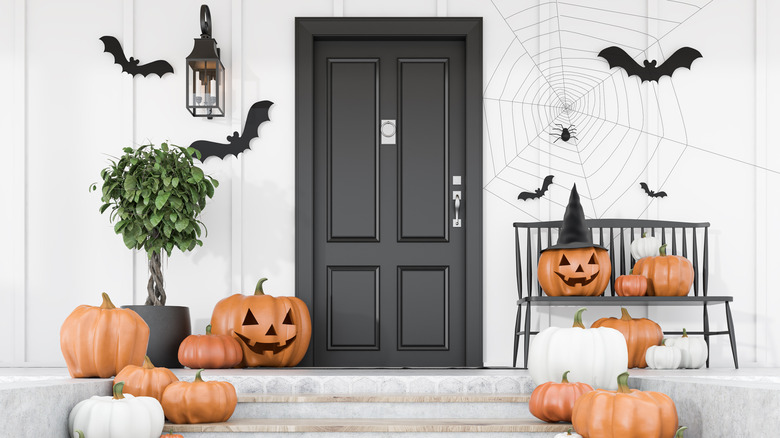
[(550, 75)]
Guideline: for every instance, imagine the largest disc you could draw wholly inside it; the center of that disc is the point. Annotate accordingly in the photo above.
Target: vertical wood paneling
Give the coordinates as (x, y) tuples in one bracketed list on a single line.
[(128, 131), (760, 266), (236, 166)]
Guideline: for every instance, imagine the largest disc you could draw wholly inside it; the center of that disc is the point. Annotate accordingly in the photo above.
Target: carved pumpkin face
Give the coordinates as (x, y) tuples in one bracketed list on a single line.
[(574, 271), (272, 331)]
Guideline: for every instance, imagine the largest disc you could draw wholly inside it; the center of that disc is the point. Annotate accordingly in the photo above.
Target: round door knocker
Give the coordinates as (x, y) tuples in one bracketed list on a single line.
[(387, 129)]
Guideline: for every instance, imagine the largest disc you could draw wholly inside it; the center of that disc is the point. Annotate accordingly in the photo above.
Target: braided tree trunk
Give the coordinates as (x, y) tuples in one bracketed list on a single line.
[(155, 287)]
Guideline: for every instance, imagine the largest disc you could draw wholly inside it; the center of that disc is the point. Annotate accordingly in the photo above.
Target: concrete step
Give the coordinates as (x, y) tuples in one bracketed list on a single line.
[(375, 406), (371, 428)]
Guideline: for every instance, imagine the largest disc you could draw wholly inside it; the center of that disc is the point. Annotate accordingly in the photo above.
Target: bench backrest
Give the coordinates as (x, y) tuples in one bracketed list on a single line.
[(687, 239)]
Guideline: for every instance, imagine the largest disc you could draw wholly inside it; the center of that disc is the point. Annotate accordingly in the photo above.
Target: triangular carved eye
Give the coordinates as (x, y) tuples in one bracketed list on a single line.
[(249, 319), (564, 261), (288, 318), (593, 260)]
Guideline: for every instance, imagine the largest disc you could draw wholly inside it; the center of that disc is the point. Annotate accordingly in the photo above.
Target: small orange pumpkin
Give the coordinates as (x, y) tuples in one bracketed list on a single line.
[(146, 380), (272, 331), (210, 351), (199, 401), (625, 413), (631, 285), (552, 402), (574, 271), (171, 435), (100, 341), (667, 275), (640, 334)]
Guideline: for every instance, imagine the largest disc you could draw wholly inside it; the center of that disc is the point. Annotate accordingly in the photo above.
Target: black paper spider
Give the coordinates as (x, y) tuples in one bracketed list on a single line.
[(564, 133)]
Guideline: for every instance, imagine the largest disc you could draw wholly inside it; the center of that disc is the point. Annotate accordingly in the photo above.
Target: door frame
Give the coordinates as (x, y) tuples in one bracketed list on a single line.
[(469, 30)]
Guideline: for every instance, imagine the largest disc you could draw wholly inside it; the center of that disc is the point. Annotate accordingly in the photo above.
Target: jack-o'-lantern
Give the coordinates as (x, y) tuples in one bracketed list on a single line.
[(574, 266), (272, 331)]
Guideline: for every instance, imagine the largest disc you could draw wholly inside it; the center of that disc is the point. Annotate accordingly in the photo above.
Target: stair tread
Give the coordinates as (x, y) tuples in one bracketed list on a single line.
[(343, 425), (383, 398)]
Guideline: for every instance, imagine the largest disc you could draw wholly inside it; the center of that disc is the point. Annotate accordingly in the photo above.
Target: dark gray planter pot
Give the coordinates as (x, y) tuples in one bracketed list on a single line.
[(168, 326)]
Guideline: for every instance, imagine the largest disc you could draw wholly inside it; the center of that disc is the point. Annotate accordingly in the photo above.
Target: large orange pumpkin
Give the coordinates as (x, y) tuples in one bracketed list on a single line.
[(100, 341), (574, 271), (146, 380), (552, 402), (272, 331), (210, 351), (640, 334), (631, 285), (667, 275), (199, 401), (625, 413)]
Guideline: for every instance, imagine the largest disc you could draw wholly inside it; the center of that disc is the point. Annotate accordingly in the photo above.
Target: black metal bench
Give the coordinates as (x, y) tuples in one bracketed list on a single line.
[(616, 235)]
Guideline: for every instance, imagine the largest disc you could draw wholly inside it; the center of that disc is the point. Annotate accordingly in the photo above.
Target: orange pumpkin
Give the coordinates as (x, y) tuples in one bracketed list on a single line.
[(631, 285), (640, 334), (100, 341), (146, 380), (171, 435), (552, 402), (574, 271), (210, 351), (199, 401), (272, 331), (667, 275), (625, 413)]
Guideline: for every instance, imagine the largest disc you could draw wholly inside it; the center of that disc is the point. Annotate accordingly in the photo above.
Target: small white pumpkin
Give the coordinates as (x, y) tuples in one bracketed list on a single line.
[(645, 247), (120, 416), (663, 357), (568, 434), (693, 350), (595, 356)]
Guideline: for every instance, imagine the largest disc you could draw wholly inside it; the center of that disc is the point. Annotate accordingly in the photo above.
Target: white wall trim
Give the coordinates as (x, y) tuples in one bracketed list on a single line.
[(762, 348), (338, 8), (18, 179), (128, 116), (236, 165), (441, 8)]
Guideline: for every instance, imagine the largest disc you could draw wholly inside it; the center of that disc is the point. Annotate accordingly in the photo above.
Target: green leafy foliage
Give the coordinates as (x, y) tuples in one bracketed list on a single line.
[(155, 196)]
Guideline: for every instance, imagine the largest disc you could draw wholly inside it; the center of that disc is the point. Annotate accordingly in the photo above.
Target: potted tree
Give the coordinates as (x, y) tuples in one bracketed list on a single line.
[(155, 196)]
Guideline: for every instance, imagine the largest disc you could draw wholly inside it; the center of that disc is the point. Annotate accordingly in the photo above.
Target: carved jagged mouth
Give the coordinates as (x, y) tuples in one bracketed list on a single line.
[(582, 281), (262, 347)]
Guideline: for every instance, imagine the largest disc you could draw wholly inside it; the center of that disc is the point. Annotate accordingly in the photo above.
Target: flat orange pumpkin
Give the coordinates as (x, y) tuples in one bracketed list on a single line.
[(272, 331), (100, 341), (631, 285), (146, 380), (210, 351), (574, 271), (199, 401), (640, 334), (667, 275), (625, 413), (552, 402)]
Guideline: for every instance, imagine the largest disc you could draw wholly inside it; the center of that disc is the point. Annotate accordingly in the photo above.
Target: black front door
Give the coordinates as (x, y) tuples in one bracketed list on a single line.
[(389, 161)]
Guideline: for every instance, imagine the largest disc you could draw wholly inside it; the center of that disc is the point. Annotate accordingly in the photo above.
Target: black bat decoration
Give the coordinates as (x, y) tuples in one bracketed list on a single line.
[(651, 193), (682, 58), (539, 192), (258, 113), (112, 46)]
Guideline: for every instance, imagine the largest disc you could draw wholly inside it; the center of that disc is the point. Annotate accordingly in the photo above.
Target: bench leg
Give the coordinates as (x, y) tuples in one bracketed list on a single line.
[(517, 335), (706, 324), (732, 337), (527, 335)]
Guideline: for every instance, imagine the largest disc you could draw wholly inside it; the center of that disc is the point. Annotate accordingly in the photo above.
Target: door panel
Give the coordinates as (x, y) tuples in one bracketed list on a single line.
[(389, 269)]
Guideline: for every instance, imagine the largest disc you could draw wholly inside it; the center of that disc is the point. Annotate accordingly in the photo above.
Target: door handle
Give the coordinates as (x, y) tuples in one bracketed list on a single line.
[(457, 222)]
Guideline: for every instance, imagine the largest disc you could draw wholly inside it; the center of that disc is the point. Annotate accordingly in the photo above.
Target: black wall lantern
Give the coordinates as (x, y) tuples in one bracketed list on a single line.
[(205, 73)]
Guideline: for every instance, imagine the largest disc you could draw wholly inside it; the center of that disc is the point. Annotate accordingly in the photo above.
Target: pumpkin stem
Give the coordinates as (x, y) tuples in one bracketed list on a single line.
[(107, 304), (568, 432), (81, 434), (564, 379), (259, 287), (631, 271), (623, 384), (578, 318), (208, 329), (624, 312), (644, 234), (198, 378), (662, 250), (685, 333), (663, 342), (679, 433), (148, 363), (118, 390)]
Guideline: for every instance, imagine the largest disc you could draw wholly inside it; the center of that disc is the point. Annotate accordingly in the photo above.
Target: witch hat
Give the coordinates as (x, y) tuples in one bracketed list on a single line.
[(574, 233)]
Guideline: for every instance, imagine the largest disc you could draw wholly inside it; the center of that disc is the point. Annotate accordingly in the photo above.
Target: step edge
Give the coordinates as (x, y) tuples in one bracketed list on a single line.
[(382, 398)]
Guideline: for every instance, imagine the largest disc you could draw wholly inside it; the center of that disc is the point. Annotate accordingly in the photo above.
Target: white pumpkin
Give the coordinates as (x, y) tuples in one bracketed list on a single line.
[(568, 434), (595, 356), (692, 350), (120, 416), (645, 247), (663, 357)]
